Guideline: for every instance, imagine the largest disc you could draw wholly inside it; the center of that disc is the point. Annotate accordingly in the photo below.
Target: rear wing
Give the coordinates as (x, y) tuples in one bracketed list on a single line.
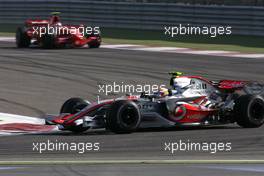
[(231, 84), (254, 88), (36, 22)]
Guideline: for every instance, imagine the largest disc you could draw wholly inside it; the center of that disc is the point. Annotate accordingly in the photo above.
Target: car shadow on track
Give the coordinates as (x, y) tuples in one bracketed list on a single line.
[(95, 132)]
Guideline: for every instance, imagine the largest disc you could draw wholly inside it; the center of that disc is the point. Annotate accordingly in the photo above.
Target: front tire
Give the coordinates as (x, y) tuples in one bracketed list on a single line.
[(249, 111), (95, 43), (123, 117), (72, 106), (48, 41), (22, 39)]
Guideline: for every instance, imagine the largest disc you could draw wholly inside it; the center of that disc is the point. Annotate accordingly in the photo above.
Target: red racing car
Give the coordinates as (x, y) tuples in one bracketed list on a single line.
[(191, 101), (52, 34)]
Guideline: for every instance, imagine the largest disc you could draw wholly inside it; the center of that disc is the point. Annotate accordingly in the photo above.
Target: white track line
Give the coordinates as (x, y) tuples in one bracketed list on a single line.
[(183, 51), (120, 46), (249, 55), (7, 39), (11, 168), (160, 49), (13, 118), (237, 168)]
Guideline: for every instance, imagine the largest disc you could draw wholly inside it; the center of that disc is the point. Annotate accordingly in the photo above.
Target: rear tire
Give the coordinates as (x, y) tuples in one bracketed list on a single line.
[(22, 39), (94, 45), (123, 117), (249, 111), (72, 106)]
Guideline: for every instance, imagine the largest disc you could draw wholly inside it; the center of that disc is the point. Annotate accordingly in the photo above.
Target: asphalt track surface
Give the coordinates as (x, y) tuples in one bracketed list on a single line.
[(132, 170), (36, 81)]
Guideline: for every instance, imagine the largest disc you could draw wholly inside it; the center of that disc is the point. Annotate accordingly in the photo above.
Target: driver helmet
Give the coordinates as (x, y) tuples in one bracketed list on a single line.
[(55, 20), (181, 83)]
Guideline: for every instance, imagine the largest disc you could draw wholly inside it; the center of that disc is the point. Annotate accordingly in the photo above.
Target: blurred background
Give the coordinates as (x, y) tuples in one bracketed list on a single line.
[(143, 21), (206, 2)]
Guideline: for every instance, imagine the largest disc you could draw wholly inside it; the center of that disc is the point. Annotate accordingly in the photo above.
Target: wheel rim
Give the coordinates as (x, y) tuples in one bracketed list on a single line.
[(257, 110), (128, 116)]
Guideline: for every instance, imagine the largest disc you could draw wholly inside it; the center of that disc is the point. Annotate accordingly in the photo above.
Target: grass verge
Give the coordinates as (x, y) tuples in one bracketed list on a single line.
[(246, 44)]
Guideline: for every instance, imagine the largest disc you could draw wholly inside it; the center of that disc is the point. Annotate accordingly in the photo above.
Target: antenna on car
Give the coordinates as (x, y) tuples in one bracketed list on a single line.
[(98, 99)]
